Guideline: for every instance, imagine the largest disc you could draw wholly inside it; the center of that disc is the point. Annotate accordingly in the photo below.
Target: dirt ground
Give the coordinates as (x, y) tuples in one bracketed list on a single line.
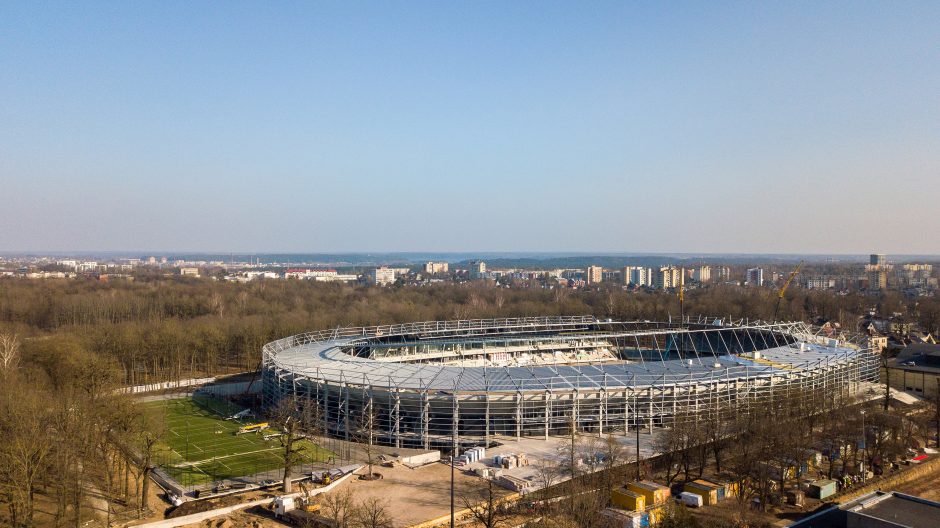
[(416, 495), (412, 495)]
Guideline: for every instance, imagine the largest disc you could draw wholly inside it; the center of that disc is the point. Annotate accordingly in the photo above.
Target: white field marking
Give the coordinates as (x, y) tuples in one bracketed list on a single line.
[(213, 459)]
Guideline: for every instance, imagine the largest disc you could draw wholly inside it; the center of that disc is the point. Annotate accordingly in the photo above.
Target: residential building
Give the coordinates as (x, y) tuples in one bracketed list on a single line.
[(640, 276), (477, 269), (432, 268), (754, 277), (668, 277), (819, 283), (595, 275), (722, 273), (878, 259), (189, 272), (309, 274), (382, 276), (877, 342), (702, 274)]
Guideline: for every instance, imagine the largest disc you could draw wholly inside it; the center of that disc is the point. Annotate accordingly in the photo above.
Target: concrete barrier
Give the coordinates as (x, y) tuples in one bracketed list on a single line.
[(421, 458), (202, 516)]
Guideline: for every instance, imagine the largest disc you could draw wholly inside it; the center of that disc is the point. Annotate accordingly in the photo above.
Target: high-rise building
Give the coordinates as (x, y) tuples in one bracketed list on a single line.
[(668, 277), (877, 259), (722, 273), (435, 267), (702, 274), (382, 276), (755, 277), (477, 269), (594, 275), (636, 275)]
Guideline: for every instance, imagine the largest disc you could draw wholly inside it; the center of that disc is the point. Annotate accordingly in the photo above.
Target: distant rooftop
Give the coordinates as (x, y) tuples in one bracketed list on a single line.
[(878, 509)]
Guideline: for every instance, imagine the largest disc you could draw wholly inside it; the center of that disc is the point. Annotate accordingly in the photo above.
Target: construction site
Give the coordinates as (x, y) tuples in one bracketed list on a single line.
[(444, 383)]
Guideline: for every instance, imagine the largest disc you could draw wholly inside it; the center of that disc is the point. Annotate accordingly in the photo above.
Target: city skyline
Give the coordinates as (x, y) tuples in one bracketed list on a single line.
[(731, 128)]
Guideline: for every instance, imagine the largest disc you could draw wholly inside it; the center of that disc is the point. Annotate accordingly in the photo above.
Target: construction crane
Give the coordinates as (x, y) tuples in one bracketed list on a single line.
[(682, 298), (783, 289)]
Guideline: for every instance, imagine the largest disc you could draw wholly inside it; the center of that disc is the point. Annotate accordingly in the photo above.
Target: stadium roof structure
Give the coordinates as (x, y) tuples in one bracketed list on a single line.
[(326, 355), (431, 383)]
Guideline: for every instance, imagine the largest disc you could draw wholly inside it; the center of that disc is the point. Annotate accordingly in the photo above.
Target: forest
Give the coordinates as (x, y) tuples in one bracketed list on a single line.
[(65, 345), (166, 328)]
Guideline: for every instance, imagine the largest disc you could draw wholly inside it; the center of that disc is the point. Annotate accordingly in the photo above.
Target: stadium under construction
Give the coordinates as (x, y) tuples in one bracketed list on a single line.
[(426, 384)]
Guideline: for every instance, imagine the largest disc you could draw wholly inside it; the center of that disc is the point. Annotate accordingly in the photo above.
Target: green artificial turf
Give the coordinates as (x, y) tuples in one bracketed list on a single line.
[(199, 446)]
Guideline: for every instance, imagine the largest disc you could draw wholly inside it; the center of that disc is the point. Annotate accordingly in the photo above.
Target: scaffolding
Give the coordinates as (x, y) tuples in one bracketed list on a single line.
[(407, 378)]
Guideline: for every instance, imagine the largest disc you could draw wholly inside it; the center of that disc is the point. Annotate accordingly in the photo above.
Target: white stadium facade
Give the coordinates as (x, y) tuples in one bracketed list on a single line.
[(430, 384)]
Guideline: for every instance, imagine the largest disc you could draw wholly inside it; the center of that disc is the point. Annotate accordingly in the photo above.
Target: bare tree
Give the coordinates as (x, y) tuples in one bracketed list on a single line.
[(373, 513), (338, 507), (485, 506), (365, 435), (9, 352), (547, 472), (615, 455), (290, 415)]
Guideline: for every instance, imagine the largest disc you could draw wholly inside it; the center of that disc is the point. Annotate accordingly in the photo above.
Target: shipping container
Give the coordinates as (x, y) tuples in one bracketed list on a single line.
[(707, 490), (655, 494), (628, 500)]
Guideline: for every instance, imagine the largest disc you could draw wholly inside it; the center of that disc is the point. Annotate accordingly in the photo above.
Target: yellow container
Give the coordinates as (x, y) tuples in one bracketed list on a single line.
[(652, 492), (628, 500), (707, 490)]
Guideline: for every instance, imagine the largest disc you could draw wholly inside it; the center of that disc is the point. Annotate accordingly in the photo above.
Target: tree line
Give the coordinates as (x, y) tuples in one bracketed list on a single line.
[(161, 328)]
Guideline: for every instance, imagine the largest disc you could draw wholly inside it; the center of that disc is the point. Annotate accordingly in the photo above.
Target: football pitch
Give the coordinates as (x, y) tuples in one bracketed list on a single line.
[(200, 446)]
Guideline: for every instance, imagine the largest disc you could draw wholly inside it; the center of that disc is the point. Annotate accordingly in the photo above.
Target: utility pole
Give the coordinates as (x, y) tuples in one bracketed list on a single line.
[(937, 405), (187, 440), (453, 462), (637, 450), (864, 445), (884, 364)]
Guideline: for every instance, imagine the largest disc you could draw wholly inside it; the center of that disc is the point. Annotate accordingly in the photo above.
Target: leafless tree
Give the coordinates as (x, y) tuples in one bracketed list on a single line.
[(289, 415), (365, 435), (9, 352), (338, 507), (373, 513), (485, 506), (547, 472)]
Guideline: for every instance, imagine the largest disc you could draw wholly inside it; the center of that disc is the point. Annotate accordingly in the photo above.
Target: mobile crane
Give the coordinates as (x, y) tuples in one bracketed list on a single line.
[(783, 289)]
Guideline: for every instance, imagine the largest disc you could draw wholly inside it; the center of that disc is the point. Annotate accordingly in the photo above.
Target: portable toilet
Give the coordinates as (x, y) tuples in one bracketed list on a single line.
[(655, 494), (628, 500)]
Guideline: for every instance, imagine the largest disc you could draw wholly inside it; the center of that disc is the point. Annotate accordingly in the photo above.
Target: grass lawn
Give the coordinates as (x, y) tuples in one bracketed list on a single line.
[(201, 447)]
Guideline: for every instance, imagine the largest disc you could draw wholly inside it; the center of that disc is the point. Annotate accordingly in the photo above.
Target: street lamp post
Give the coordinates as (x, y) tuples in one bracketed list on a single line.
[(864, 446)]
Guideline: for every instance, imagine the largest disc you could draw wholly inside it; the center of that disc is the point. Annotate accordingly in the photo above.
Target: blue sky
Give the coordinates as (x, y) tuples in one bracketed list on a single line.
[(470, 126)]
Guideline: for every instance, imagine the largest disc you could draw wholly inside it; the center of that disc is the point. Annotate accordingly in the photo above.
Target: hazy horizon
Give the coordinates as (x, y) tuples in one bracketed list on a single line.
[(681, 128)]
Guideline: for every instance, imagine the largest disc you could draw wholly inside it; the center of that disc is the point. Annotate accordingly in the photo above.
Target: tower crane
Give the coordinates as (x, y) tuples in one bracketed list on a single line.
[(783, 289)]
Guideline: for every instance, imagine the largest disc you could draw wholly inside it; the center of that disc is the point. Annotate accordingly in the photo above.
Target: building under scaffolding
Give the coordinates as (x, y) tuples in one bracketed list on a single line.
[(425, 384)]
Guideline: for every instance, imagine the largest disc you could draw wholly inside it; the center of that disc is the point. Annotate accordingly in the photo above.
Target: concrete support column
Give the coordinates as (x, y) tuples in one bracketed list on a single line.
[(486, 400), (425, 419), (519, 401), (548, 411), (396, 416)]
